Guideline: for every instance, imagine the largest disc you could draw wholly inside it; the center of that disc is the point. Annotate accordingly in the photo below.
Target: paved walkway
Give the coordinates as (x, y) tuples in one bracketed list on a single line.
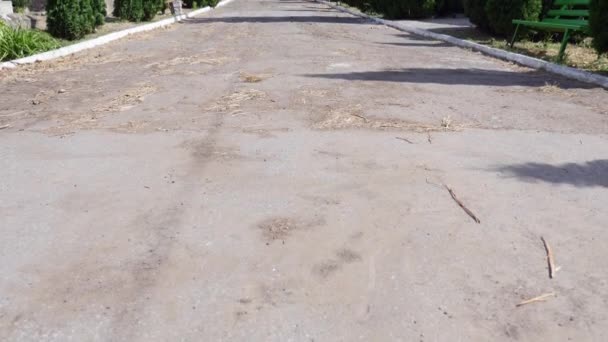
[(272, 173)]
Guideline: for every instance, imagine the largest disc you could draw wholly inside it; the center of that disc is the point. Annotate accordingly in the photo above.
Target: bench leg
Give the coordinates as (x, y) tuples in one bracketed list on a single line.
[(562, 48), (514, 35)]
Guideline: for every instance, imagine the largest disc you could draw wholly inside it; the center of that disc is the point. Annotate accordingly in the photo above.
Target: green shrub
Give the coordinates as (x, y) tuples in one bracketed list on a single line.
[(500, 13), (476, 11), (449, 6), (99, 10), (18, 43), (137, 10), (70, 19), (598, 24), (151, 8), (87, 16), (132, 10), (19, 5), (212, 3), (405, 9)]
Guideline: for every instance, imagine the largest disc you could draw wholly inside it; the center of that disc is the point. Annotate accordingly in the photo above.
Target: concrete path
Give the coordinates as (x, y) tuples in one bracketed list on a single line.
[(273, 173)]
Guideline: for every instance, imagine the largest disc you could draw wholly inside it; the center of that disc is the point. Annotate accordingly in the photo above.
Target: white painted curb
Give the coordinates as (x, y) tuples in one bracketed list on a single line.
[(89, 44), (527, 61)]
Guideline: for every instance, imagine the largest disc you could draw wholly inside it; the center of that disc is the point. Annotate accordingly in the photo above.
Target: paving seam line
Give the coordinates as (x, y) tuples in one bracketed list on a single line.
[(526, 61), (110, 37)]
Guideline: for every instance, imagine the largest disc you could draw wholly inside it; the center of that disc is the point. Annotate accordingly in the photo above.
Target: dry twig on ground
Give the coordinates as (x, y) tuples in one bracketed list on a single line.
[(550, 258), (540, 298), (466, 210), (404, 139)]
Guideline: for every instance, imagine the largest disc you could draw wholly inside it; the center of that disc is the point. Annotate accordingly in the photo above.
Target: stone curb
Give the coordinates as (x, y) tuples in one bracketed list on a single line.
[(527, 61), (89, 44)]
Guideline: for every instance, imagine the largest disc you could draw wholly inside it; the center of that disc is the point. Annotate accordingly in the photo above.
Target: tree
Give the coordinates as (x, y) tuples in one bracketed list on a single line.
[(476, 11), (99, 10), (598, 24), (501, 13), (69, 19)]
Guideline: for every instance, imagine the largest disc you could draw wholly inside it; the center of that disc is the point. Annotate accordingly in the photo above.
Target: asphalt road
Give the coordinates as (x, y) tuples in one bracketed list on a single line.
[(276, 171)]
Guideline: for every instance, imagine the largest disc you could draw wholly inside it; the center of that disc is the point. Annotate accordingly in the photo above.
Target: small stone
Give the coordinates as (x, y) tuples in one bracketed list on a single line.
[(61, 91)]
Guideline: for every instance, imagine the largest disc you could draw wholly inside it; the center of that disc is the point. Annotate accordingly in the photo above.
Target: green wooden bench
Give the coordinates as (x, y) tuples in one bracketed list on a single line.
[(565, 16)]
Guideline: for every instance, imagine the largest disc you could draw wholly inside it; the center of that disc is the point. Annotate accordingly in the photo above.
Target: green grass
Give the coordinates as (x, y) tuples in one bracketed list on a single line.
[(18, 43)]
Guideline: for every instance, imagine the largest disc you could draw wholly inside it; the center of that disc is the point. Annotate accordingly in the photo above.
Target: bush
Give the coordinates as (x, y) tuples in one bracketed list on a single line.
[(210, 3), (87, 16), (500, 13), (70, 19), (598, 24), (19, 5), (449, 6), (99, 10), (405, 9), (131, 10), (137, 10), (18, 43), (151, 8), (476, 11)]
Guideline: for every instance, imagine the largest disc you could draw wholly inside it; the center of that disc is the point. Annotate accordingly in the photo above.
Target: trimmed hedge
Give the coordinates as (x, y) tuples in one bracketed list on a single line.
[(99, 10), (137, 10), (405, 9), (213, 3), (449, 6), (502, 12), (495, 16), (72, 19), (131, 10), (476, 11), (20, 5), (598, 23)]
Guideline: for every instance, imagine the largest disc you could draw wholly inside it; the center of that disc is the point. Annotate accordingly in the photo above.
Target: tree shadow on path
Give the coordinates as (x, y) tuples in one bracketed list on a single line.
[(589, 174), (449, 76)]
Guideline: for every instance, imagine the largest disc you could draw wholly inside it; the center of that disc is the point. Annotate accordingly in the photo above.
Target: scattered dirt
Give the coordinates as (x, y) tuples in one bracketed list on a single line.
[(233, 101), (281, 228), (251, 78), (278, 228), (326, 269), (348, 256)]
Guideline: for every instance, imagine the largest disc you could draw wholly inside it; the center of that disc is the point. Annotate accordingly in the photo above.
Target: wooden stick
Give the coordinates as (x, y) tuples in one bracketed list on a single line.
[(540, 298), (404, 139), (550, 259), (5, 126), (466, 210)]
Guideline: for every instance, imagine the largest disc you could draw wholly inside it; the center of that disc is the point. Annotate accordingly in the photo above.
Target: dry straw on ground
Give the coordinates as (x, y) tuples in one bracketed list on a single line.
[(127, 99), (234, 100), (353, 117)]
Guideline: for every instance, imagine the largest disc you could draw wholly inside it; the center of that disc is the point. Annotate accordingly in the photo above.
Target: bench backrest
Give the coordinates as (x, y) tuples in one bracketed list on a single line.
[(575, 12)]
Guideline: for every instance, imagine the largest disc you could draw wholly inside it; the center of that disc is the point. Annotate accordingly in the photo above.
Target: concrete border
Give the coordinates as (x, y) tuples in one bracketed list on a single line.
[(89, 44), (527, 61)]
